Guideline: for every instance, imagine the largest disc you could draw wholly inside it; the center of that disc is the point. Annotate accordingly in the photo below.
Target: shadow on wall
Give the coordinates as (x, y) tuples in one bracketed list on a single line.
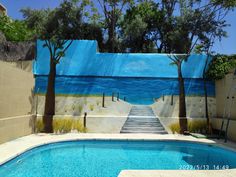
[(32, 102), (195, 107), (167, 109), (16, 51), (24, 65)]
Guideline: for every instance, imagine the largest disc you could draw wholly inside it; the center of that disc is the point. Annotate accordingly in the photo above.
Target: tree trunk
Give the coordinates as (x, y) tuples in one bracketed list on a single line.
[(111, 31), (49, 109), (182, 104), (206, 97), (111, 40), (206, 107)]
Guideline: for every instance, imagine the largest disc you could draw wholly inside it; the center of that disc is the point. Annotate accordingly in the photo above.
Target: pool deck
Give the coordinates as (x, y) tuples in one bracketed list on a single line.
[(13, 148)]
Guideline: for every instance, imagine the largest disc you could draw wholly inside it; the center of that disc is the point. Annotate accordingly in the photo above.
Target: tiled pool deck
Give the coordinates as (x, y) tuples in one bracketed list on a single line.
[(13, 148)]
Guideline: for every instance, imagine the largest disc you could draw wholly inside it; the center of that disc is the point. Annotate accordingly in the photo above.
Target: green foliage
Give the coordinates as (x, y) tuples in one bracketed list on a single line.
[(194, 126), (112, 11), (56, 26), (225, 3), (220, 66), (15, 30), (62, 125), (148, 25), (139, 27)]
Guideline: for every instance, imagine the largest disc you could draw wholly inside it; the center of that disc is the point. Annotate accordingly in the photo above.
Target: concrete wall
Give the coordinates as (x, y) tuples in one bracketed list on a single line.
[(16, 98), (222, 90)]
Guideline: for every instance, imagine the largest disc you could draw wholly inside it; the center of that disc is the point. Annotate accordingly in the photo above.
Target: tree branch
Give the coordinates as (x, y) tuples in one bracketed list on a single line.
[(64, 50)]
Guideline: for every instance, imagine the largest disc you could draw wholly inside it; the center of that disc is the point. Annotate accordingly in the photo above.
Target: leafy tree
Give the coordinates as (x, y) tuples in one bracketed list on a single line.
[(58, 27), (220, 66), (222, 7), (89, 29), (159, 21), (140, 27), (92, 32), (35, 19), (112, 10), (229, 4), (195, 26), (14, 30)]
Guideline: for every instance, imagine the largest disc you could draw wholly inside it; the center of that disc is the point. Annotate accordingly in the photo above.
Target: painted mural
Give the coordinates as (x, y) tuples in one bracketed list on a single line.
[(139, 79), (133, 90)]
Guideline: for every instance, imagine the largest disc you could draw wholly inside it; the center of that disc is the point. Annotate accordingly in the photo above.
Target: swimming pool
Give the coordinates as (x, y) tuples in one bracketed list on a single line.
[(90, 158)]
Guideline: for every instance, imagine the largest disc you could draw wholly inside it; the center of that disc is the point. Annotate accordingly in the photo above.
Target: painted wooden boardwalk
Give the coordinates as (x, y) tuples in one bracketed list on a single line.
[(141, 119)]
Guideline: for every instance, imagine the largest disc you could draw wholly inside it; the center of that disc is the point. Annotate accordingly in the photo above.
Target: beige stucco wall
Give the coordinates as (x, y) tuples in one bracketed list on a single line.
[(14, 127), (16, 87), (24, 65), (16, 97), (222, 89)]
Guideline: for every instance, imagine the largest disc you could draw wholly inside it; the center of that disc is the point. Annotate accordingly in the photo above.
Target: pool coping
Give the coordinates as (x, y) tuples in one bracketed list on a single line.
[(12, 149)]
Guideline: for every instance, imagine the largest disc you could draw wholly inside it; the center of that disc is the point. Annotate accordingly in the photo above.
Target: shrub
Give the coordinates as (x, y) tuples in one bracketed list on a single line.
[(62, 125), (39, 125), (197, 126), (58, 125), (67, 125), (78, 125), (220, 66), (175, 128), (194, 126)]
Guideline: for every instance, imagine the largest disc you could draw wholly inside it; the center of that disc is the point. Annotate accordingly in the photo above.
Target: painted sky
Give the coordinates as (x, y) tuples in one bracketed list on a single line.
[(226, 46)]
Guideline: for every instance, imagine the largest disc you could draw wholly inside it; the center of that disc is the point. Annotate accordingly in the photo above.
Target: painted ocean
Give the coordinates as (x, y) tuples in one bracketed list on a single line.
[(137, 90)]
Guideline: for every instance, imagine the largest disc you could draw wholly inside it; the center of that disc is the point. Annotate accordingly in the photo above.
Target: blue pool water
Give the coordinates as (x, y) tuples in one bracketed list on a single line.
[(136, 90), (108, 158)]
